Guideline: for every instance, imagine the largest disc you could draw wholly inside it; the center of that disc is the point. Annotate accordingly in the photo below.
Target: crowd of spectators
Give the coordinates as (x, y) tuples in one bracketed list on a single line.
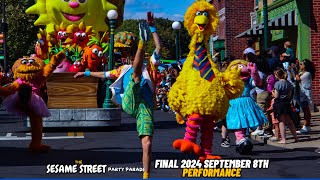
[(282, 73), (166, 78), (286, 90)]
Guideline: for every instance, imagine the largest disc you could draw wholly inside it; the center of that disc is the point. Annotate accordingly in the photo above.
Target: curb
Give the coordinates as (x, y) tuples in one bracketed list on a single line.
[(316, 121)]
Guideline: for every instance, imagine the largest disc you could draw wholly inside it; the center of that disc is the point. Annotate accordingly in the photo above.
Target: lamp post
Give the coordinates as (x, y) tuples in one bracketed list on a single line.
[(177, 26), (112, 16), (265, 23)]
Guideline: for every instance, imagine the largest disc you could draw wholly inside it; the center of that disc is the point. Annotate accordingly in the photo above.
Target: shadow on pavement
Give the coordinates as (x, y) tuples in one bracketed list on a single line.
[(304, 149), (22, 157), (123, 127)]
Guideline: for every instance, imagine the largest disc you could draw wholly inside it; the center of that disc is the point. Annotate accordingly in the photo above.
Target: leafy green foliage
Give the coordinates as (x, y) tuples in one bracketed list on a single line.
[(22, 34), (105, 47), (46, 61), (96, 41), (70, 55), (75, 54), (167, 36), (57, 49)]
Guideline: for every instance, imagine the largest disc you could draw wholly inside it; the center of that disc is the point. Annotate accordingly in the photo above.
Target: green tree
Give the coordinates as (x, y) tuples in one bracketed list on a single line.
[(22, 34), (166, 34)]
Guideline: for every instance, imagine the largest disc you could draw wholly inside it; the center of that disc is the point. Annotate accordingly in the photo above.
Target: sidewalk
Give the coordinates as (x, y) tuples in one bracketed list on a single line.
[(311, 140)]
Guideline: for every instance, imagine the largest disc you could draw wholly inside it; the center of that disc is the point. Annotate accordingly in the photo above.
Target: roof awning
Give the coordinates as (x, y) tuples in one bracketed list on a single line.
[(251, 32), (286, 20)]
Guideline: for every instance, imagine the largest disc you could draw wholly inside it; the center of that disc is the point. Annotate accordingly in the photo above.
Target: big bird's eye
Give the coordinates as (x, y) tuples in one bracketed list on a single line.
[(198, 13), (24, 61), (95, 51), (83, 35), (31, 61), (100, 54), (65, 0), (205, 13), (241, 66), (82, 1)]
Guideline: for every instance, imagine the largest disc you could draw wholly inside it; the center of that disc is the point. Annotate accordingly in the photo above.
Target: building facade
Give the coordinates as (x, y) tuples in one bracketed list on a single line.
[(315, 46), (295, 20), (234, 19)]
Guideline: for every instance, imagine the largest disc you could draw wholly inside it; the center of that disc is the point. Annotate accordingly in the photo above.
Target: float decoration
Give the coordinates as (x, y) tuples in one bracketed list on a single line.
[(59, 34), (76, 58), (75, 54), (64, 66), (124, 39), (57, 15), (94, 54), (42, 44), (79, 35), (90, 12)]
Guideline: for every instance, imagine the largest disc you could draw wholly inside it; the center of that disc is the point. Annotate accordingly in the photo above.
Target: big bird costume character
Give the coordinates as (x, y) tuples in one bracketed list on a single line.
[(202, 92), (244, 112), (25, 98)]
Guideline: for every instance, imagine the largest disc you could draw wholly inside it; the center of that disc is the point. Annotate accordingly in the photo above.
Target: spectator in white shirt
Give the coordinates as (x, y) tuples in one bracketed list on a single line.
[(249, 48)]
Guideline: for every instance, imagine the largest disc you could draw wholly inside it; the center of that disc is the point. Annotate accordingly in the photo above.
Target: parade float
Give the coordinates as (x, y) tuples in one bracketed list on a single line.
[(124, 41), (81, 29)]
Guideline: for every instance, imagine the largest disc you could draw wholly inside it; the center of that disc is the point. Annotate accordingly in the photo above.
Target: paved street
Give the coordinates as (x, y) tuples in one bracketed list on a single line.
[(120, 147)]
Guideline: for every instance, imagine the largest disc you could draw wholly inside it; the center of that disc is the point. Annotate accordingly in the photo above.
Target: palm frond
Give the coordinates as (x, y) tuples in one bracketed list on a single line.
[(94, 40), (105, 47), (76, 54)]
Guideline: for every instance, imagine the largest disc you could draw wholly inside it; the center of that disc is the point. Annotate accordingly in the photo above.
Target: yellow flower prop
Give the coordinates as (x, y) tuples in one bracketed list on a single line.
[(79, 35), (58, 35)]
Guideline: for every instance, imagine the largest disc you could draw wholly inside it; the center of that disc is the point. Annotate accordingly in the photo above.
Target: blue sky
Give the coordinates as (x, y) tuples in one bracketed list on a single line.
[(171, 9)]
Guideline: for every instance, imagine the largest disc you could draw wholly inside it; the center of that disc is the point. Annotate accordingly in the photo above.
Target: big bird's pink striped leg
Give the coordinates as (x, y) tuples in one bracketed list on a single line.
[(207, 138), (188, 144)]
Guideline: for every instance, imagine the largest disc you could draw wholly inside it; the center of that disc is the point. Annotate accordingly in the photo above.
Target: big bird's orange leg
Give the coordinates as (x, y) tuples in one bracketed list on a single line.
[(207, 138), (188, 144), (36, 134)]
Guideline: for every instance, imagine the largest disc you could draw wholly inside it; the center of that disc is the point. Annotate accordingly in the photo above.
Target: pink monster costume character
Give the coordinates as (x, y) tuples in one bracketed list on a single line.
[(243, 111), (64, 66)]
